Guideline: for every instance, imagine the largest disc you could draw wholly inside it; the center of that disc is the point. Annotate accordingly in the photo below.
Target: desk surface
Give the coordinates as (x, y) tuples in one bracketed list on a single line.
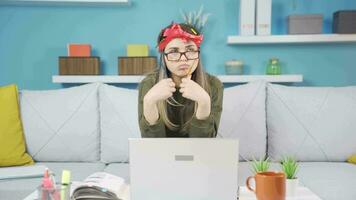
[(303, 193)]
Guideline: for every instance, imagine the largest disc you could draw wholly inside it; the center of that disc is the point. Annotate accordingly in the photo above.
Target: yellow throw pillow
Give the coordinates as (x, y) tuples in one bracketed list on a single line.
[(352, 159), (12, 141)]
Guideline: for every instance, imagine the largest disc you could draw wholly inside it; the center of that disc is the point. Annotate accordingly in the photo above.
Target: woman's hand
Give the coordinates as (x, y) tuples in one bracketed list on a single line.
[(193, 91), (161, 91)]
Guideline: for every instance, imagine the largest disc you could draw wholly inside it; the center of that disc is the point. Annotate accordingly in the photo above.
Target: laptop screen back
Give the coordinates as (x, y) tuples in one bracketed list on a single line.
[(183, 168)]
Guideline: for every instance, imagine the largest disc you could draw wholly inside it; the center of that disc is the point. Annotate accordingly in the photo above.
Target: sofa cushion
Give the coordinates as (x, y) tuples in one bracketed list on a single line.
[(119, 169), (311, 123), (244, 117), (63, 124), (12, 141), (118, 122), (33, 171), (329, 180), (79, 170)]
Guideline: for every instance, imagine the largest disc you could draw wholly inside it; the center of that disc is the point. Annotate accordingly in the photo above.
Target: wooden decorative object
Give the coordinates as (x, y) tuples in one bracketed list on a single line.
[(136, 65), (79, 65)]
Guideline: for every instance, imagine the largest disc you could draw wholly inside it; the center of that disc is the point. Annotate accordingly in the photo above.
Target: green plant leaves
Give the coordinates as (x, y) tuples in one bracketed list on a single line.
[(197, 19), (290, 167), (260, 165)]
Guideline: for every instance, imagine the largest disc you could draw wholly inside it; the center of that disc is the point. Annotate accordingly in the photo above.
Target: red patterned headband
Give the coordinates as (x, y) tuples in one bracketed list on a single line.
[(177, 32)]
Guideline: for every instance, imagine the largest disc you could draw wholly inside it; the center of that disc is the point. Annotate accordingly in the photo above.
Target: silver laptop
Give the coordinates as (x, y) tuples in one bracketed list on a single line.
[(183, 169)]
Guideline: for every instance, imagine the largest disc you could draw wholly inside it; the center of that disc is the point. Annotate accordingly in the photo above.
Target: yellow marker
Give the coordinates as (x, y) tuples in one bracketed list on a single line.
[(65, 184), (194, 31), (189, 70)]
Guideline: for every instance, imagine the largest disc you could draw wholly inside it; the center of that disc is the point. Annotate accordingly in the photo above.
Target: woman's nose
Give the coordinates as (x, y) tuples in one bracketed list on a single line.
[(185, 57)]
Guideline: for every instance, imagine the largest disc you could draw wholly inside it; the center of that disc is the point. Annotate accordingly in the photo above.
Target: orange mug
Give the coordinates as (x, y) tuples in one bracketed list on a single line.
[(269, 185)]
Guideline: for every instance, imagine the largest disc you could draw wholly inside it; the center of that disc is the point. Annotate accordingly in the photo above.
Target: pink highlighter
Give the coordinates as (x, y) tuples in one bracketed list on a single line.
[(49, 191)]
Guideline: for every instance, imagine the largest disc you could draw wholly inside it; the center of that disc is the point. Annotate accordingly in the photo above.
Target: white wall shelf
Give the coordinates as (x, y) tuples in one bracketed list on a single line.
[(290, 78), (137, 79), (65, 2), (290, 39), (97, 78)]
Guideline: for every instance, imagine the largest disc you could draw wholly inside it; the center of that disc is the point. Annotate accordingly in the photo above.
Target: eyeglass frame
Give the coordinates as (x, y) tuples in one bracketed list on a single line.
[(181, 53)]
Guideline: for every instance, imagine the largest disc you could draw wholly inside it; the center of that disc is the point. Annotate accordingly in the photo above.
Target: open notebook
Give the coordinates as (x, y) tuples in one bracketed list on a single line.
[(100, 185)]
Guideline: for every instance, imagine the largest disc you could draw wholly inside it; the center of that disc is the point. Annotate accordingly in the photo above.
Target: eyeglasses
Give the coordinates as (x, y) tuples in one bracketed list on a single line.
[(176, 56)]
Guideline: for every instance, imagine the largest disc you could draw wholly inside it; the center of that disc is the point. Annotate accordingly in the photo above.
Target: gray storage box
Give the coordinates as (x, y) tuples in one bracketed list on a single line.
[(344, 21), (305, 24)]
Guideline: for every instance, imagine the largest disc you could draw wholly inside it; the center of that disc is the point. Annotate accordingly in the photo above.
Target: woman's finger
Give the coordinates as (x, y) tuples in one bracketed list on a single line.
[(169, 80), (171, 84)]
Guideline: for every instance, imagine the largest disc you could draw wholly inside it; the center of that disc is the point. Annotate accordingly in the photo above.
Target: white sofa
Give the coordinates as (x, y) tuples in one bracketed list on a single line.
[(85, 129)]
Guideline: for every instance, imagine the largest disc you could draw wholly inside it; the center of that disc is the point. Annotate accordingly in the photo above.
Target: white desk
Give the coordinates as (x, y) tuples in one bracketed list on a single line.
[(303, 193), (34, 195)]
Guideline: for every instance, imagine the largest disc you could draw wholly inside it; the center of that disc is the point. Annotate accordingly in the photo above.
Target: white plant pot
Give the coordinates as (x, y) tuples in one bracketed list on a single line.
[(292, 186)]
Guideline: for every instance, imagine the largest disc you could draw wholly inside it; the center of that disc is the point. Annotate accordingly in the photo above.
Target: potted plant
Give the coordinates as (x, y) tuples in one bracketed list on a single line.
[(197, 19), (290, 168), (260, 165)]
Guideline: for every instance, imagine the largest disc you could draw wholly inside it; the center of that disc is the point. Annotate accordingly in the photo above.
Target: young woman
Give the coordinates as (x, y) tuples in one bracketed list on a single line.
[(180, 99)]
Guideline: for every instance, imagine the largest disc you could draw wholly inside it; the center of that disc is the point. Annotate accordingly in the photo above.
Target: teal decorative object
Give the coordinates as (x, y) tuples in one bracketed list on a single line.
[(234, 67)]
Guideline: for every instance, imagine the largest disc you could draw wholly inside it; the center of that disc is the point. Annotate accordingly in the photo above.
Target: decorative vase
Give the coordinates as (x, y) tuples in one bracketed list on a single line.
[(234, 67), (292, 186), (273, 67)]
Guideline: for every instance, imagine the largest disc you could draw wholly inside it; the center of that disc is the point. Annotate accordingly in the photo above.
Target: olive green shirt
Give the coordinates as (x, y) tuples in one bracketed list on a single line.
[(178, 115)]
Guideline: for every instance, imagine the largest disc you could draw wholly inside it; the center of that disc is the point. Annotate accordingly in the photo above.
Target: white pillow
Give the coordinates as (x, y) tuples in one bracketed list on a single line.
[(119, 121), (63, 124), (311, 123), (244, 118)]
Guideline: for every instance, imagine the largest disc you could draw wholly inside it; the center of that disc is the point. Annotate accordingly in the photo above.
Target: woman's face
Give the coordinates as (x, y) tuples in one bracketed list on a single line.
[(179, 64)]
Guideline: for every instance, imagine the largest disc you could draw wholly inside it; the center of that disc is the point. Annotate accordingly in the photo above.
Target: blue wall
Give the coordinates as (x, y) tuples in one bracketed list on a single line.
[(32, 37)]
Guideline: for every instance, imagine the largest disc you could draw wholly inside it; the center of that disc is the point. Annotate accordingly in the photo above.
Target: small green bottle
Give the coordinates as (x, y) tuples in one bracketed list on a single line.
[(273, 67)]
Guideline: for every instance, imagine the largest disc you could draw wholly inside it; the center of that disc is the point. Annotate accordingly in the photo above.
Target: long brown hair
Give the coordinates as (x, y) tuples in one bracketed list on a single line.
[(199, 76)]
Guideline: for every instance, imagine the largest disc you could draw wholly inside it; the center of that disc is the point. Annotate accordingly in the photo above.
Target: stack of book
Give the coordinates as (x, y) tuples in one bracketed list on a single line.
[(255, 17), (79, 61), (137, 61)]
